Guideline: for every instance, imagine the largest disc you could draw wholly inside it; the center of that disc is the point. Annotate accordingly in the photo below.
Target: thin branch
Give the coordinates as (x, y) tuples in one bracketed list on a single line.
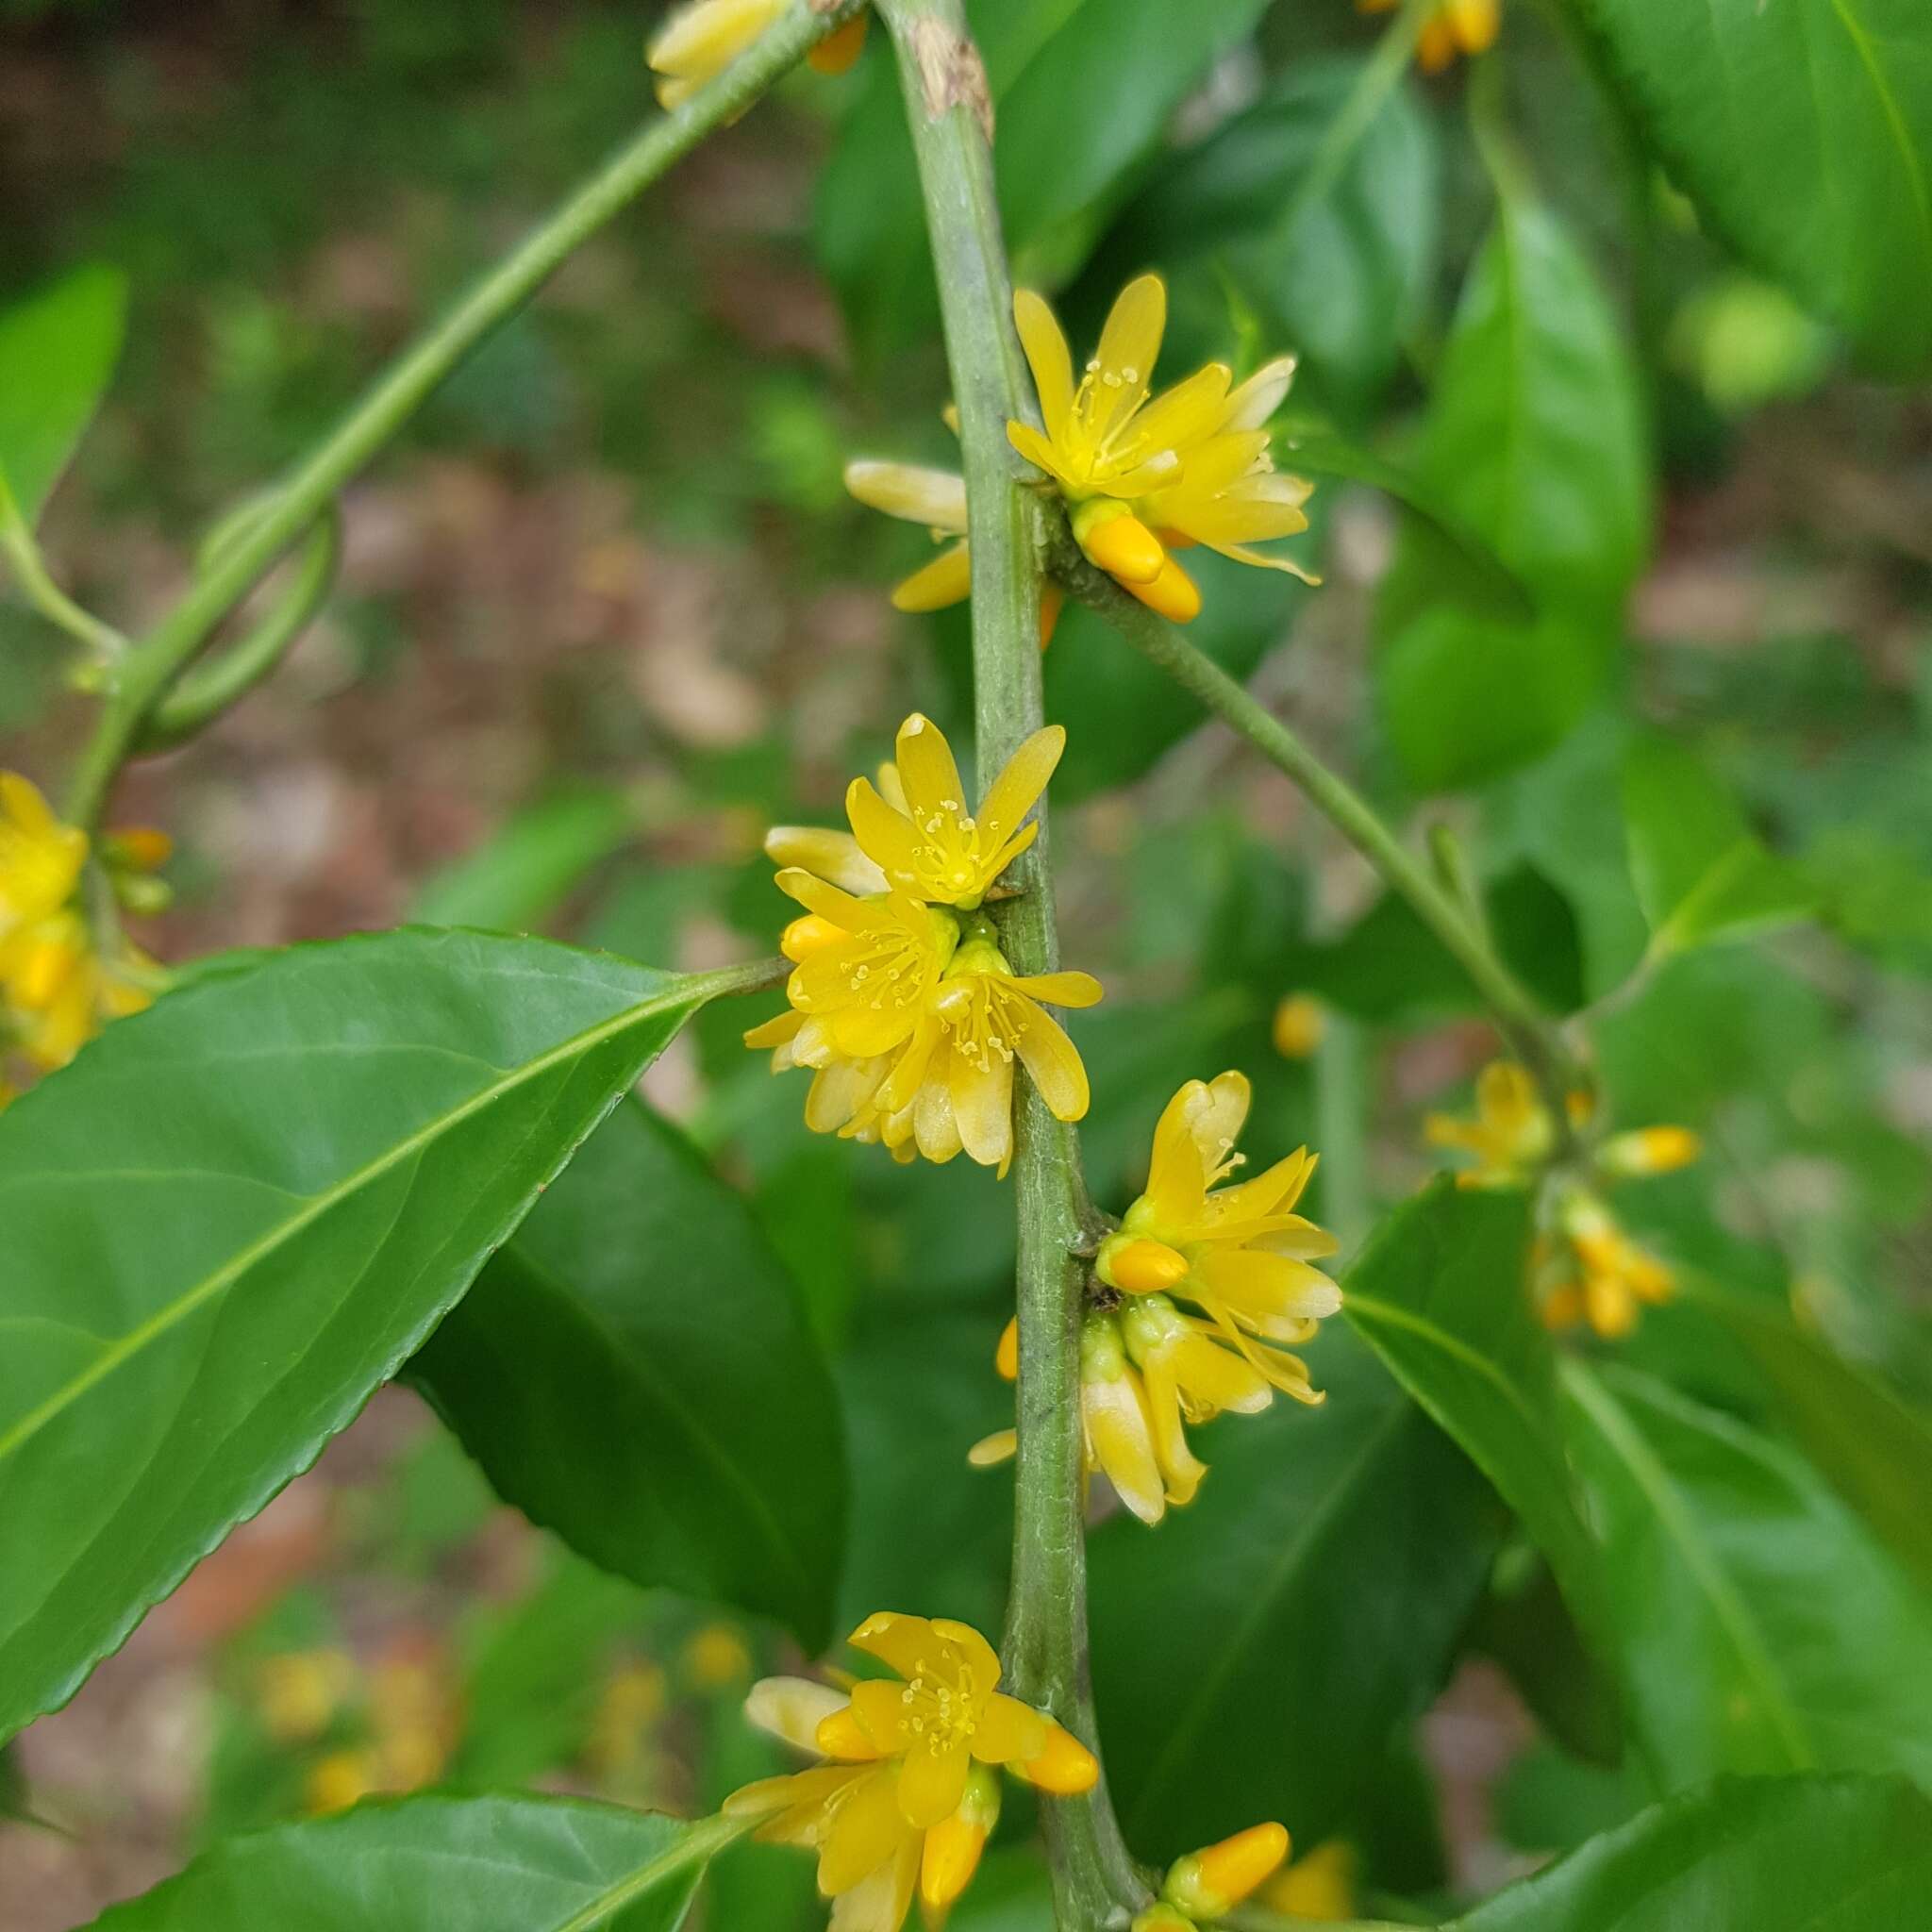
[(153, 665)]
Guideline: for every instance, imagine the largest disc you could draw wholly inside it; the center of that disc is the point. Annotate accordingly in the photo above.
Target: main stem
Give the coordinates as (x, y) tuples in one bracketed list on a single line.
[(1527, 1030), (1045, 1649), (147, 671)]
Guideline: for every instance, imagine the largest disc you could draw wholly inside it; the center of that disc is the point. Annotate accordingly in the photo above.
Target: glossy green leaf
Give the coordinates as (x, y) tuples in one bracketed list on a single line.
[(1336, 275), (239, 1212), (1803, 132), (1535, 432), (58, 351), (460, 1864), (1875, 1449), (1776, 1855), (1441, 1295), (1082, 92), (635, 1371), (530, 864), (1479, 578), (1254, 1653), (1763, 1628), (1701, 872)]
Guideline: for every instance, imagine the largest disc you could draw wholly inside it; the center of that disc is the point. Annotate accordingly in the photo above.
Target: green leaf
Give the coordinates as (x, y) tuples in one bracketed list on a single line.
[(1083, 90), (1763, 1629), (58, 351), (1253, 1656), (1536, 434), (1803, 132), (460, 1864), (239, 1212), (1441, 1295), (530, 864), (635, 1371), (1875, 1451), (1777, 1855), (1478, 579), (1701, 872), (1338, 277)]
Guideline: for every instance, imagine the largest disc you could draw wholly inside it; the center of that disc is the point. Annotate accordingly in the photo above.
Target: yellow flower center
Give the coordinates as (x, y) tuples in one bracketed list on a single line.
[(940, 1713)]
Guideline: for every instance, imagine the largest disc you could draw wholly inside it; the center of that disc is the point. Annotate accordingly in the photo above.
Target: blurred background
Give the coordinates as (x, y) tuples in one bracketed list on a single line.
[(607, 612)]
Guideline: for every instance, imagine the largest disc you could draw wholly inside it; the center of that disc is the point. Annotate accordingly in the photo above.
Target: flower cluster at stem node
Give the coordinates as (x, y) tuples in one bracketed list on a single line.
[(902, 1002), (909, 1792), (59, 983), (1204, 1289), (1465, 28), (1142, 476), (1583, 1266)]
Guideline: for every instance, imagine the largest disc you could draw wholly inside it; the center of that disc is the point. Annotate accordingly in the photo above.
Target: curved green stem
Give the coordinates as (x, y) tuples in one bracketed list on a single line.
[(17, 546), (208, 688), (1045, 1650), (153, 664), (1529, 1032)]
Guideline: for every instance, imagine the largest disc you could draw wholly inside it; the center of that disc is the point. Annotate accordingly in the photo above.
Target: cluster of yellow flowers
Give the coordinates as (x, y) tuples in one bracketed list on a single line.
[(1140, 479), (1241, 1255), (1584, 1267), (907, 1794), (902, 1002), (1456, 27), (700, 40), (57, 988)]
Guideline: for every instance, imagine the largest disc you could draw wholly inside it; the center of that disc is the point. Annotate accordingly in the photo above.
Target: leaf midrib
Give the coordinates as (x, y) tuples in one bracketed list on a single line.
[(1182, 1735), (695, 992), (1707, 1570)]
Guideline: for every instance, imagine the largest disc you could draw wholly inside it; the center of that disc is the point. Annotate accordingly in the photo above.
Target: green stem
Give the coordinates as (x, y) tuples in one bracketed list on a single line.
[(1380, 76), (1045, 1647), (1528, 1031), (153, 665), (29, 567)]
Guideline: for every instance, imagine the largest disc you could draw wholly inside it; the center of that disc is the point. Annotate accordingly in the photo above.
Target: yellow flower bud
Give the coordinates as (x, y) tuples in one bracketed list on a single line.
[(808, 935), (1066, 1768), (1163, 1918), (1650, 1150), (953, 1846), (1300, 1022), (839, 49), (1140, 1266), (1116, 540), (1005, 1357), (1210, 1884), (1173, 593)]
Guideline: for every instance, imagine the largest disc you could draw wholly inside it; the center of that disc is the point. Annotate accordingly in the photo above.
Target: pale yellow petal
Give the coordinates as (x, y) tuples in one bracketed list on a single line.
[(1129, 346), (1053, 1062), (935, 586), (793, 1708), (936, 498), (867, 1831), (1252, 405), (834, 856)]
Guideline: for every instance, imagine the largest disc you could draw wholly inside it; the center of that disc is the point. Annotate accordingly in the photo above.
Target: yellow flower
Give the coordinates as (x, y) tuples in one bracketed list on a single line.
[(926, 842), (1457, 27), (1142, 478), (40, 858), (936, 498), (57, 988), (906, 1010), (1241, 1253), (1320, 1884), (909, 1797), (1587, 1269), (1512, 1135), (1210, 1884), (704, 37), (1299, 1023)]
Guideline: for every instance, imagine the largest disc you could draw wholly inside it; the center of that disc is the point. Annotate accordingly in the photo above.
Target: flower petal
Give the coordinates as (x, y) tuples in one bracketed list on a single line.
[(1047, 356), (879, 1901), (866, 1831), (1129, 346), (1060, 989), (1053, 1062), (928, 770), (885, 837), (831, 856), (936, 498), (1017, 789), (898, 1641), (1251, 406), (793, 1708), (1009, 1731), (938, 585), (982, 1096)]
